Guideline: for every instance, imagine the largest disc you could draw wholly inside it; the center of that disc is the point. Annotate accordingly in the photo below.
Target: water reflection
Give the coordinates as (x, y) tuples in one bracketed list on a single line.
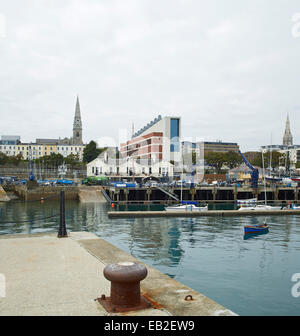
[(252, 235)]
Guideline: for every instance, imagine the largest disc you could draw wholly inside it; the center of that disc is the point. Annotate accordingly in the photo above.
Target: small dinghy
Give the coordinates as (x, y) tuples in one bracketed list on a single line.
[(260, 228)]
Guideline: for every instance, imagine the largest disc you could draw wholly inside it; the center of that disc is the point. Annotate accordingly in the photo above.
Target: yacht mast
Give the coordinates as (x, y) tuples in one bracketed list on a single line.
[(263, 164)]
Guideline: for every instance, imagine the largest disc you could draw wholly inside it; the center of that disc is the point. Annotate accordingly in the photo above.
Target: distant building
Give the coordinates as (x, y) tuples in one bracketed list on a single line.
[(77, 132), (10, 139), (66, 150), (287, 147), (106, 165), (275, 148), (243, 172), (208, 146), (159, 140), (11, 145), (287, 137)]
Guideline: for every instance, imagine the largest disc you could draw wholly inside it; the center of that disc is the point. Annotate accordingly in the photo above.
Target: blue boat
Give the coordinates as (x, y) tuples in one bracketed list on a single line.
[(253, 235), (261, 228)]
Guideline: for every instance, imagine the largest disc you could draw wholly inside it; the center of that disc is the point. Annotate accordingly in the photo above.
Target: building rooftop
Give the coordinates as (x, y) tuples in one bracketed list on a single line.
[(150, 124), (47, 141)]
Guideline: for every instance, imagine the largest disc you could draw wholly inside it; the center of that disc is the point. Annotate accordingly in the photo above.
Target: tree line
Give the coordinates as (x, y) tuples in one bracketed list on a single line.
[(90, 153), (231, 159)]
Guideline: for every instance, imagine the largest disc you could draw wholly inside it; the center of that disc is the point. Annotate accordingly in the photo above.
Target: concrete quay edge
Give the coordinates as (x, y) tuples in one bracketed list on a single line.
[(163, 291), (166, 294), (221, 213)]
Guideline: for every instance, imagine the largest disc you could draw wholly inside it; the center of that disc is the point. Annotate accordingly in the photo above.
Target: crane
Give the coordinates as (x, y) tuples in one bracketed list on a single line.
[(254, 172)]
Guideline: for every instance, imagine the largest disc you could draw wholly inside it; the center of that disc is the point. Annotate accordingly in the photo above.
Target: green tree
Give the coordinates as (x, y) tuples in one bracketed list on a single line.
[(72, 160), (91, 152), (3, 158), (51, 160), (233, 159), (256, 159), (216, 159), (15, 160)]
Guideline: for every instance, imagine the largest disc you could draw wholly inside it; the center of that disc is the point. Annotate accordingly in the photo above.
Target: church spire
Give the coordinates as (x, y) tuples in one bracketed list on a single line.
[(77, 117), (77, 125), (287, 138)]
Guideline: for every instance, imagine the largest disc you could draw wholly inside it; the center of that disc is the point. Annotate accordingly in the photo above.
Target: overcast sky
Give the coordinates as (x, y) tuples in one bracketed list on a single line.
[(229, 68)]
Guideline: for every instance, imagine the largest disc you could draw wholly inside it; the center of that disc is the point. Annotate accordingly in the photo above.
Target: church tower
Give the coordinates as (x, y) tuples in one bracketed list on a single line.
[(287, 138), (77, 126)]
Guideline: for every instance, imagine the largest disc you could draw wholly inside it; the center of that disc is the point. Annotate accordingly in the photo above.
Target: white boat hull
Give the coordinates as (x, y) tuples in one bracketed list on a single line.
[(260, 208), (186, 208)]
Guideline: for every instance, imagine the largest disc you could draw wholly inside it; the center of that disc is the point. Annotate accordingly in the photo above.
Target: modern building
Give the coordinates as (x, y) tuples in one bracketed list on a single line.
[(159, 140), (10, 139), (217, 146), (8, 144), (221, 147)]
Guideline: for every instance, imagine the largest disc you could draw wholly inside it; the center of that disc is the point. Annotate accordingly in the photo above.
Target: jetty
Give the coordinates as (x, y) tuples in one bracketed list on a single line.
[(209, 213), (205, 194), (45, 275)]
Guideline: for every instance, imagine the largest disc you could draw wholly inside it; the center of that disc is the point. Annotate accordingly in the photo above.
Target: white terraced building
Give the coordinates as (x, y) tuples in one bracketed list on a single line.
[(103, 166)]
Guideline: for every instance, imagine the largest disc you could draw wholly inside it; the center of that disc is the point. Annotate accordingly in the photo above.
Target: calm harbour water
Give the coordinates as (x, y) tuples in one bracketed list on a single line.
[(209, 254)]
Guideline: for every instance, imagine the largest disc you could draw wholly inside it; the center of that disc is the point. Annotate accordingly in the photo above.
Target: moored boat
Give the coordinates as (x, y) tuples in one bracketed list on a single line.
[(186, 207), (260, 208), (256, 228), (247, 201)]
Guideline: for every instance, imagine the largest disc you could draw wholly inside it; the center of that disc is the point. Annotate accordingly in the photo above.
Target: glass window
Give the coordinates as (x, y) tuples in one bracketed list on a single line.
[(174, 147)]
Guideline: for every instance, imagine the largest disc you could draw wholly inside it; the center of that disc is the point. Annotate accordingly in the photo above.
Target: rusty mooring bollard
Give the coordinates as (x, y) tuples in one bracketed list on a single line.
[(125, 292)]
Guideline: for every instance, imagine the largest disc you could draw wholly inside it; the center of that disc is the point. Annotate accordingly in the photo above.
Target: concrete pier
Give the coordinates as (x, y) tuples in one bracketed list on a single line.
[(46, 275), (222, 213)]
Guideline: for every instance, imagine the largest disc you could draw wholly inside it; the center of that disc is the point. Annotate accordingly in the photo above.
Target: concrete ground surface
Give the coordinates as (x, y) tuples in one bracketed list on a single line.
[(50, 276)]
